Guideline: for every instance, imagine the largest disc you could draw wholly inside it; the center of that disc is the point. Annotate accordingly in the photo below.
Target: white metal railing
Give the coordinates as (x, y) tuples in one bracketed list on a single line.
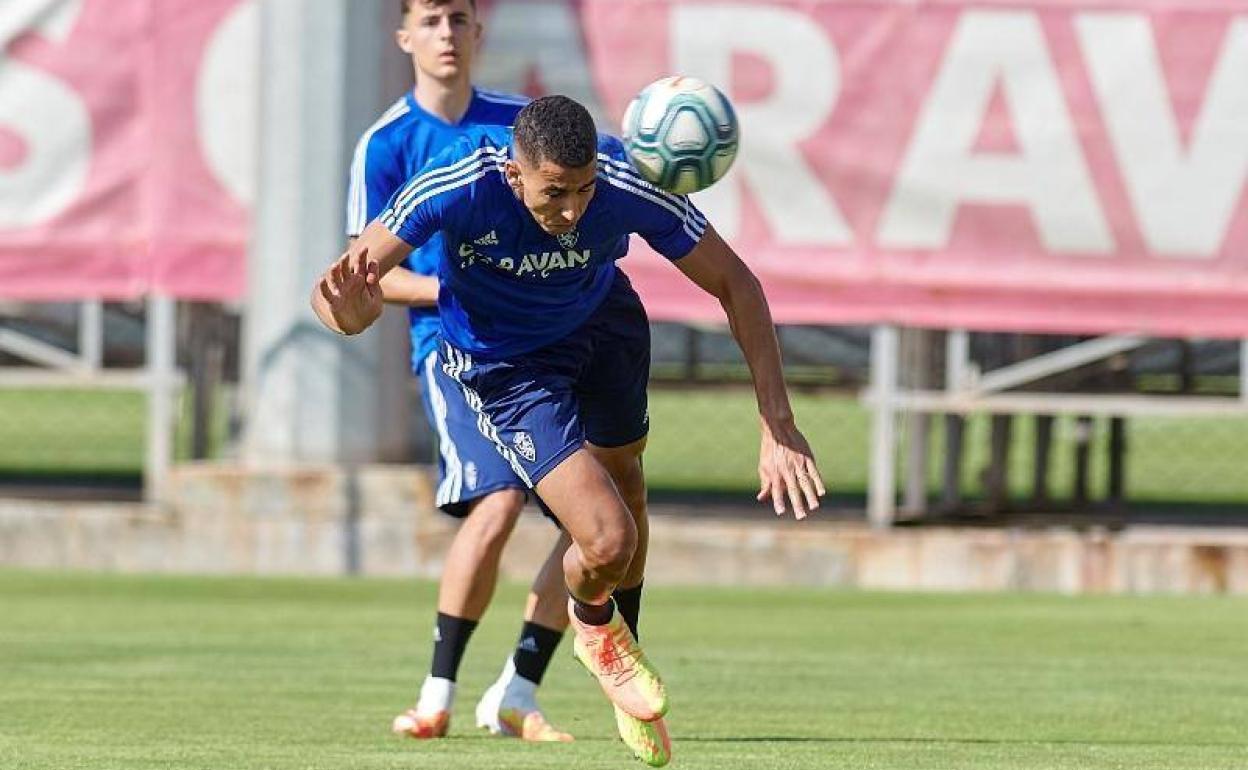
[(967, 390), (55, 367)]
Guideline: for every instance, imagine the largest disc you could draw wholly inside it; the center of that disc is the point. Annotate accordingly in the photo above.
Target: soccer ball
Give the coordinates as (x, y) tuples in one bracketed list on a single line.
[(681, 134)]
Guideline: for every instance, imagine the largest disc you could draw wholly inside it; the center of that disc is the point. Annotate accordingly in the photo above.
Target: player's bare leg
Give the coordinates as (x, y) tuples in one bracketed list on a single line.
[(604, 538), (604, 541), (623, 464), (468, 581), (470, 574), (649, 741), (509, 706), (547, 603)]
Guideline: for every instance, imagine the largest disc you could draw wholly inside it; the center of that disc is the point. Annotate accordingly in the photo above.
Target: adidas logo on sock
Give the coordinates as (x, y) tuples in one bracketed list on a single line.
[(527, 644), (489, 239)]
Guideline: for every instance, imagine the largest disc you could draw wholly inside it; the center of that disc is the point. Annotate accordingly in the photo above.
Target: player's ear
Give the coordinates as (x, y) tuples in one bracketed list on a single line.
[(511, 170), (404, 40)]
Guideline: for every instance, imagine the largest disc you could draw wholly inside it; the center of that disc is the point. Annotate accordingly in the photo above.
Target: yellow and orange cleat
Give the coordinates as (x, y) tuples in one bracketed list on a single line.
[(611, 654), (421, 726), (529, 725), (648, 741), (504, 712)]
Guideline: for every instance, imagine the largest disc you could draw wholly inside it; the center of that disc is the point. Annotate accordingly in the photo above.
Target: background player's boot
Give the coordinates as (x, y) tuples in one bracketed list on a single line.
[(512, 710), (432, 716), (648, 741), (416, 725), (612, 655)]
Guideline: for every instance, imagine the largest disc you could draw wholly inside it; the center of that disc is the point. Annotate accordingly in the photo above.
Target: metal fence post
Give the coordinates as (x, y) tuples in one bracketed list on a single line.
[(882, 493), (91, 334), (161, 361), (1243, 370)]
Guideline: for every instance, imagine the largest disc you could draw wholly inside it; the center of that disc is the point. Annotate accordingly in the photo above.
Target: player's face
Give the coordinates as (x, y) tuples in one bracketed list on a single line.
[(441, 38), (556, 196)]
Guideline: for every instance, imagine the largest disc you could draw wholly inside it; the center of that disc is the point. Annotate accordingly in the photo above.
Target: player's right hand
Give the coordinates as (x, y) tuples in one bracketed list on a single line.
[(352, 290), (786, 468)]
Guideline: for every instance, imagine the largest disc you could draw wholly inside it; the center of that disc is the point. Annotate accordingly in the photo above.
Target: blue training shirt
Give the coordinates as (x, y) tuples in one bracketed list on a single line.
[(395, 149), (507, 286)]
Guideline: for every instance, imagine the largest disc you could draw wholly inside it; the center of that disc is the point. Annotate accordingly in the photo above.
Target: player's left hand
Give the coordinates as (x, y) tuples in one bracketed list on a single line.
[(351, 290), (786, 468)]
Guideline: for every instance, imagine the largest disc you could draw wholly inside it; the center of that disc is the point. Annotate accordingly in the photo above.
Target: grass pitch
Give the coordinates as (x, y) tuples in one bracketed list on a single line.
[(134, 673)]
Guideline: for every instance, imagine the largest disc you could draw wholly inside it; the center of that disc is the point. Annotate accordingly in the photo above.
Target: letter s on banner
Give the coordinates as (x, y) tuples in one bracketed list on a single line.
[(227, 102), (48, 117)]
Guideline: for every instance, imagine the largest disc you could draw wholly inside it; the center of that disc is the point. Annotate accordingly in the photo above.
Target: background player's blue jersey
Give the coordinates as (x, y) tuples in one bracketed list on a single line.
[(392, 151), (508, 287)]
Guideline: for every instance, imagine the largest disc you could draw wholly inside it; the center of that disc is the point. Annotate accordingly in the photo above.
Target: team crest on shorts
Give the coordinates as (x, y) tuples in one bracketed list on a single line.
[(470, 474), (523, 443), (568, 240)]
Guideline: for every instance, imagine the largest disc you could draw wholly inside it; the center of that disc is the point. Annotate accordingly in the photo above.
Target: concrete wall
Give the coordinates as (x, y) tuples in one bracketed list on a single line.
[(379, 520)]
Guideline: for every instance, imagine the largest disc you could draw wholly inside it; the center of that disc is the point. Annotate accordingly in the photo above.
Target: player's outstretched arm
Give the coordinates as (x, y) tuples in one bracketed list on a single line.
[(401, 286), (348, 297), (405, 287), (786, 465)]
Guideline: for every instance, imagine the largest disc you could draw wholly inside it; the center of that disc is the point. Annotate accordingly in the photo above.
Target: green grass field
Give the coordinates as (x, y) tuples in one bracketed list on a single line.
[(137, 673), (703, 440)]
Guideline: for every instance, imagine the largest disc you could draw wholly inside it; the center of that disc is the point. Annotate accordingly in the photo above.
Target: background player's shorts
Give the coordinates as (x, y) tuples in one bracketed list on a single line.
[(469, 465), (540, 407)]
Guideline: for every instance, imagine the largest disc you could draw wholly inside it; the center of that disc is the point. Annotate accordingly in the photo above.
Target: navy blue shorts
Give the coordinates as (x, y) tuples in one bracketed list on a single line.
[(469, 465), (540, 407)]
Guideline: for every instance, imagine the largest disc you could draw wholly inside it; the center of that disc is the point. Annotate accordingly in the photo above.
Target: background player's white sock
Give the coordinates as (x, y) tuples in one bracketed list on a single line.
[(517, 691), (436, 694)]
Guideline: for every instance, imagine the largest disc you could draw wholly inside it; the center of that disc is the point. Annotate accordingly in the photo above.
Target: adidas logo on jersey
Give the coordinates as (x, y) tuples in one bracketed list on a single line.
[(489, 239)]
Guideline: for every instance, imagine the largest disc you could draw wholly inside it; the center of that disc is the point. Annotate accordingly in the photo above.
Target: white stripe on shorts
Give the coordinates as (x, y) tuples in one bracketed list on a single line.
[(459, 362), (450, 488)]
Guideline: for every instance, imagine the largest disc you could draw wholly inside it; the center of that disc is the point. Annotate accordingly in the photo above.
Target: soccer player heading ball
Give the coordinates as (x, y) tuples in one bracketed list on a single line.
[(533, 314)]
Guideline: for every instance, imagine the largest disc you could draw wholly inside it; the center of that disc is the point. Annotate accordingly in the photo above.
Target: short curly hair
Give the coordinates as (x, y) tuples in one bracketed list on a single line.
[(556, 129)]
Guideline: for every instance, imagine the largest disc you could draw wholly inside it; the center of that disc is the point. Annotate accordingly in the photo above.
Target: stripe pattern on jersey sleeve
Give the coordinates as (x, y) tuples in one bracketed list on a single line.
[(483, 161), (620, 174), (357, 192)]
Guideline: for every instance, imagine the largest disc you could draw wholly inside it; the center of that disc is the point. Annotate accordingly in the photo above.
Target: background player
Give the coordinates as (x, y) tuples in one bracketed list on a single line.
[(476, 483)]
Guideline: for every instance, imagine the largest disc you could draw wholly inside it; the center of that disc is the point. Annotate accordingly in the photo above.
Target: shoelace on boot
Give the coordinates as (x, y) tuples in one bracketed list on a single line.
[(615, 658)]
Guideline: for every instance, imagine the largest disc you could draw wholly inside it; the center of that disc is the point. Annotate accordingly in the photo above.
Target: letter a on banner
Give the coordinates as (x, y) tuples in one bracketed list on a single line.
[(942, 171)]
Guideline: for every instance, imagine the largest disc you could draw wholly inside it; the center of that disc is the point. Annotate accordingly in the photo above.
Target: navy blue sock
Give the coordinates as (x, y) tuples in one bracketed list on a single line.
[(628, 602), (593, 614)]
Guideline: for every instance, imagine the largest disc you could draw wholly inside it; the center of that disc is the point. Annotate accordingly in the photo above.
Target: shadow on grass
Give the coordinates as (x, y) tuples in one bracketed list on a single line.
[(962, 741), (1180, 513), (42, 484)]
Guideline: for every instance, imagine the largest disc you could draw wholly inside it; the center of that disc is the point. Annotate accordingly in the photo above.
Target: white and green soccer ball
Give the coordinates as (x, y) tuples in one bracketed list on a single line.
[(681, 134)]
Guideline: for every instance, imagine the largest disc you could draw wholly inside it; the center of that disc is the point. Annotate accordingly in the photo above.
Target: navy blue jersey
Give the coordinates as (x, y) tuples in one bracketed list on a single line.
[(507, 286), (392, 151)]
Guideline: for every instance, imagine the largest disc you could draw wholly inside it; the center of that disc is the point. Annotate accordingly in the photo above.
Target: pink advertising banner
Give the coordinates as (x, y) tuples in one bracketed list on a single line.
[(1055, 166), (107, 180), (1045, 165)]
